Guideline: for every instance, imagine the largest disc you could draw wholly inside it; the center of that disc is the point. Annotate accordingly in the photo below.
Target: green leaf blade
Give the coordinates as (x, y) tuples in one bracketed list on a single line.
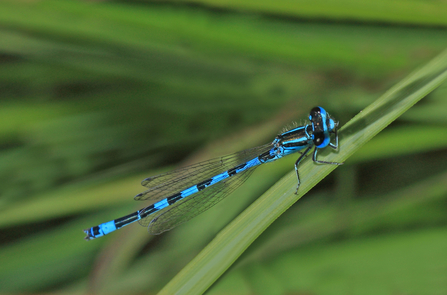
[(232, 241)]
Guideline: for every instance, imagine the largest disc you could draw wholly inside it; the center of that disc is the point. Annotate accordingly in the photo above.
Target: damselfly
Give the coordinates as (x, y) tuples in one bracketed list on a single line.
[(180, 195)]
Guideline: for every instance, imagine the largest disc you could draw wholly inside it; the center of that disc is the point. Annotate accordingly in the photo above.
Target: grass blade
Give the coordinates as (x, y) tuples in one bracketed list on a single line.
[(232, 241)]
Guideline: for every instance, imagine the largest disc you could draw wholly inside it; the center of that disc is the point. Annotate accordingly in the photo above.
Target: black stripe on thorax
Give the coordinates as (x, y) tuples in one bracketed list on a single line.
[(295, 144)]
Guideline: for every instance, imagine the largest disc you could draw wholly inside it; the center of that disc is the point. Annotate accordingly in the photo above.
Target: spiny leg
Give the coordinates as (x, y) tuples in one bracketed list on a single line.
[(335, 146), (296, 168), (314, 158)]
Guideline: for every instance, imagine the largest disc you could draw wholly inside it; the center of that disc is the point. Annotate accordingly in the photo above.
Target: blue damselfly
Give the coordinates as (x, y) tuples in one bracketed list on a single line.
[(180, 195)]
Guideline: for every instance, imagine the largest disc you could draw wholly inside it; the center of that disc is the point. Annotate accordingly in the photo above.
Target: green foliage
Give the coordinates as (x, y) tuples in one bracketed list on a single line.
[(96, 96), (232, 241)]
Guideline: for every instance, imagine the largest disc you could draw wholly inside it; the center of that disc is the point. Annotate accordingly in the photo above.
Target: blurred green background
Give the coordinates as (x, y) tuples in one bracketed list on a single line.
[(97, 95)]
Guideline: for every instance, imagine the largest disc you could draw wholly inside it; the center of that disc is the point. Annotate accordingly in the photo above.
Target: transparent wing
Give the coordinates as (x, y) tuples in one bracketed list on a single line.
[(164, 185), (192, 206)]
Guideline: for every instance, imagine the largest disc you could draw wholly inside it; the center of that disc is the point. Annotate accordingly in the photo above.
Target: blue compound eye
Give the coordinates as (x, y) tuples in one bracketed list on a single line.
[(321, 139), (318, 138), (331, 124)]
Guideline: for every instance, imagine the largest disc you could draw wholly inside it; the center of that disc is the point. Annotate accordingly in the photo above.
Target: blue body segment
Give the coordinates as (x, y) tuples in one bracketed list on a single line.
[(180, 195), (162, 204)]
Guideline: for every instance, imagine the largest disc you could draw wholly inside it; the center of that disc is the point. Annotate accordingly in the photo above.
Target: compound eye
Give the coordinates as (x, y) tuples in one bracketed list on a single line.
[(314, 112), (318, 138), (331, 124)]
